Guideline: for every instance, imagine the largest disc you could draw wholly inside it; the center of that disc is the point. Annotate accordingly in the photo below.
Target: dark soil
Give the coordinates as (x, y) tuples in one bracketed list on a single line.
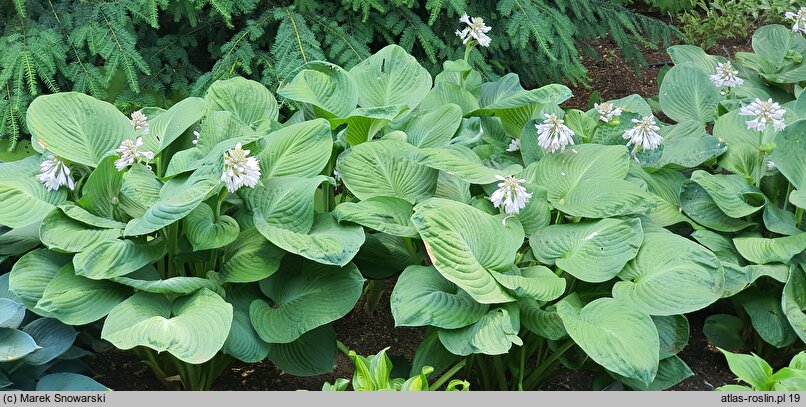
[(367, 333)]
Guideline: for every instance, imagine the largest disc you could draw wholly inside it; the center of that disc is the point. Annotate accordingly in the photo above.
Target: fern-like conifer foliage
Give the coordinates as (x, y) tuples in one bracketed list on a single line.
[(154, 52)]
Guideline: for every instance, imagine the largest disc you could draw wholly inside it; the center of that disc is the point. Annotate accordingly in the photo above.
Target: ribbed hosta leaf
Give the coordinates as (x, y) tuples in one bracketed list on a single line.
[(444, 93), (25, 199), (463, 163), (301, 150), (671, 371), (694, 56), (178, 197), (543, 322), (77, 300), (422, 297), (285, 202), (434, 127), (250, 101), (384, 214), (602, 197), (15, 344), (391, 76), (536, 282), (114, 258), (767, 316), (363, 123), (100, 193), (151, 320), (382, 256), (11, 313), (312, 354), (205, 232), (673, 332), (139, 191), (731, 193), (788, 158), (780, 221), (66, 381), (59, 232), (80, 214), (53, 337), (215, 128), (793, 301), (685, 145), (668, 260), (328, 87), (778, 250), (593, 252), (16, 242), (466, 245), (243, 342), (743, 144), (327, 242), (537, 212), (148, 280), (32, 273), (560, 173), (386, 168), (77, 127), (665, 186), (167, 126), (616, 335), (304, 295), (493, 334), (686, 93), (701, 208), (250, 258)]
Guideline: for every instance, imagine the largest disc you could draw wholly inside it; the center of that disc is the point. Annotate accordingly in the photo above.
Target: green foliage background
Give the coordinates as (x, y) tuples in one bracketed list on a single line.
[(154, 52)]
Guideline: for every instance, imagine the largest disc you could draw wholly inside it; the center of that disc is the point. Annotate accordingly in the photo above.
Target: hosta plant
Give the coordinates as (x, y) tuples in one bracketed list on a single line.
[(375, 373), (198, 234), (38, 353)]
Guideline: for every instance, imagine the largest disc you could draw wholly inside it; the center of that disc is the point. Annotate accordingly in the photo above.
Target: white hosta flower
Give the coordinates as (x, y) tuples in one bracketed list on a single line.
[(240, 170), (140, 122), (771, 165), (799, 18), (130, 153), (765, 113), (196, 134), (553, 135), (510, 194), (336, 175), (607, 111), (514, 145), (726, 75), (54, 173), (643, 135), (475, 30)]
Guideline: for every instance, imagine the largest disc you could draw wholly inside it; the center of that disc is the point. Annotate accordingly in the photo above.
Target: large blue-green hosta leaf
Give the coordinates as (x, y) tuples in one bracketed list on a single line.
[(463, 163), (77, 300), (593, 252), (59, 232), (32, 273), (53, 338), (304, 295), (312, 354), (250, 101), (493, 334), (616, 335), (731, 193), (243, 342), (77, 127), (167, 126), (389, 77), (667, 260), (178, 197), (422, 297), (386, 168), (15, 344), (433, 127), (114, 258), (301, 150), (327, 242), (686, 93), (793, 301), (790, 148), (384, 214), (249, 258), (466, 245), (330, 89), (778, 250), (151, 320)]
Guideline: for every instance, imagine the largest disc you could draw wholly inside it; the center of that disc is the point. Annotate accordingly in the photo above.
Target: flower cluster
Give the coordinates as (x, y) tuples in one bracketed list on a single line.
[(475, 30), (726, 75), (130, 153), (607, 111), (140, 122), (53, 173), (240, 170), (643, 135), (510, 194), (553, 134), (514, 145), (799, 18), (764, 113)]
